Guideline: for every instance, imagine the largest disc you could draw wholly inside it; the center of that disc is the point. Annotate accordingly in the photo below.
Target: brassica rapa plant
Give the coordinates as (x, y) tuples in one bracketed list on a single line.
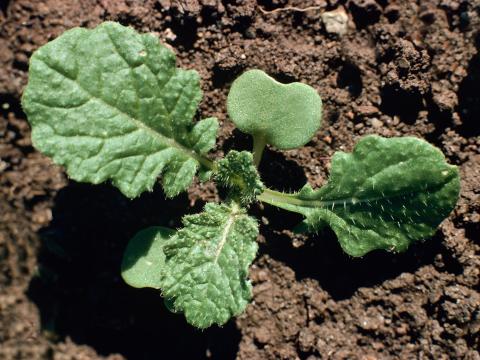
[(109, 104)]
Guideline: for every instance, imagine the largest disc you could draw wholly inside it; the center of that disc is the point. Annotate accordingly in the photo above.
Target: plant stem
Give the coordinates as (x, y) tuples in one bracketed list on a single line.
[(281, 200), (272, 197), (259, 143), (206, 162)]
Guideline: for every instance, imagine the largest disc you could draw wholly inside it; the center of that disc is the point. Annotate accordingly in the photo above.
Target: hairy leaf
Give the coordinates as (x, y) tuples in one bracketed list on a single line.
[(109, 103), (207, 264), (385, 195), (144, 260), (285, 115), (237, 172)]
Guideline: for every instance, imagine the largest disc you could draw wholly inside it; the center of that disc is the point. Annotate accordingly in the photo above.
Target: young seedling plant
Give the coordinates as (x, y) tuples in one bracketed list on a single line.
[(110, 104)]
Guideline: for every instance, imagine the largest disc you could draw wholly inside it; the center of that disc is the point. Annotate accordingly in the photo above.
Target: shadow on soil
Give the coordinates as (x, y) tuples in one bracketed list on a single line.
[(4, 5), (469, 98), (277, 172), (80, 293)]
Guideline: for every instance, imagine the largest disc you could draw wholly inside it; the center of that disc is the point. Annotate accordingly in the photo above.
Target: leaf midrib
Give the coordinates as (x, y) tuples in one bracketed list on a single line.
[(293, 200), (226, 231), (138, 123)]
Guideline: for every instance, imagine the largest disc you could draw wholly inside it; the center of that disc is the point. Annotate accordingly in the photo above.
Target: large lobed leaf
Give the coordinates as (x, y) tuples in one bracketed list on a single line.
[(109, 103), (387, 194), (207, 261)]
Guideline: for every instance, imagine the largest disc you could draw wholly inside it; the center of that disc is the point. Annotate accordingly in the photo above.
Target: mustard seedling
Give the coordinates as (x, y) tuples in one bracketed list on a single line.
[(109, 104)]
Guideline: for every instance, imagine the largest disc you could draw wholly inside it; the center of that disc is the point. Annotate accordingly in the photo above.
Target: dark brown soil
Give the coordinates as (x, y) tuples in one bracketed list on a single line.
[(403, 68)]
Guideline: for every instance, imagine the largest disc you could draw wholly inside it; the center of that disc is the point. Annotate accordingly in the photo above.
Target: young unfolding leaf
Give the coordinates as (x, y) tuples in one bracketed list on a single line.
[(109, 103), (238, 173), (284, 115), (207, 262), (144, 260), (385, 195)]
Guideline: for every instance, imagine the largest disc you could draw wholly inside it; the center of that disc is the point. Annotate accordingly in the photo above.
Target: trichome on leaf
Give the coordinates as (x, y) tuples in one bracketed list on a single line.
[(110, 104)]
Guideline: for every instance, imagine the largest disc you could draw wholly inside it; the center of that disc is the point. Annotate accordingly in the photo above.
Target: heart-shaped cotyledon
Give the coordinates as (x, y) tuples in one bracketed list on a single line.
[(283, 115)]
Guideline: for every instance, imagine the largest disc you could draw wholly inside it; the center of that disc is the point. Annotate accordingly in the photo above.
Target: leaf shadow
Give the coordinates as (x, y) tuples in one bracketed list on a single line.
[(4, 6), (79, 291), (276, 171), (280, 173), (320, 257), (469, 97)]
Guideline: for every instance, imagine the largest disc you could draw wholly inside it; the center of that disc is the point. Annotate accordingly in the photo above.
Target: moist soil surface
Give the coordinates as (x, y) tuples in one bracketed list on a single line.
[(402, 68)]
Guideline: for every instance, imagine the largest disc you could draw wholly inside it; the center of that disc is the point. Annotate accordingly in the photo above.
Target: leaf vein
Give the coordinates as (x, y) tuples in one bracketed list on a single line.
[(138, 123)]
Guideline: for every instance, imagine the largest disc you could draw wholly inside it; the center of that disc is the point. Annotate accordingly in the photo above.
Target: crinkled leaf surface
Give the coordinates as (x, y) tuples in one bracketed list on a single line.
[(207, 264), (237, 172), (144, 261), (385, 195), (109, 103), (285, 115)]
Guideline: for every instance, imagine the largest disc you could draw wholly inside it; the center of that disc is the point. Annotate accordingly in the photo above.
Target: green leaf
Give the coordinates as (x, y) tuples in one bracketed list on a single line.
[(143, 261), (387, 194), (204, 175), (207, 263), (285, 115), (109, 103), (238, 173)]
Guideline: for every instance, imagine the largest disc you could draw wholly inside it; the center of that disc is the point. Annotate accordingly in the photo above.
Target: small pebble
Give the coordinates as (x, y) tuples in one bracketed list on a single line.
[(376, 123), (336, 21), (169, 34)]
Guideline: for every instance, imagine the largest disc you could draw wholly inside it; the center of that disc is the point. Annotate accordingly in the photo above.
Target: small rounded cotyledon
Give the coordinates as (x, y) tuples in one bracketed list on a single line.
[(284, 115)]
